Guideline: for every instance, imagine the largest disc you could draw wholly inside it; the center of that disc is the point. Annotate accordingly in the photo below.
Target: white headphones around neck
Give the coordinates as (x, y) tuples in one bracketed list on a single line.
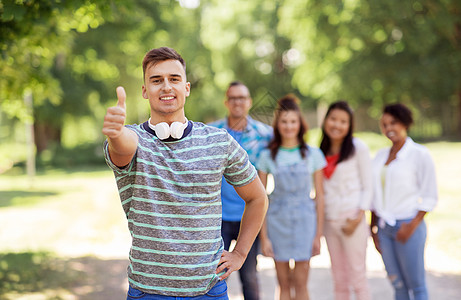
[(164, 131)]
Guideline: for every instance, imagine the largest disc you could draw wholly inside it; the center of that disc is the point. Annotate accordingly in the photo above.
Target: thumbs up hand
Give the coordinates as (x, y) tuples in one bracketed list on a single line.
[(115, 116)]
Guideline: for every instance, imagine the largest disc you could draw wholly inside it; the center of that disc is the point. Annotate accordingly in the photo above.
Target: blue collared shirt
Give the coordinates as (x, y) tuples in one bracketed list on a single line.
[(254, 138)]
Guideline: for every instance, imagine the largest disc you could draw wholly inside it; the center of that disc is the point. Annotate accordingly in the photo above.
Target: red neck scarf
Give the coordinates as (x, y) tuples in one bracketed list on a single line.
[(331, 165)]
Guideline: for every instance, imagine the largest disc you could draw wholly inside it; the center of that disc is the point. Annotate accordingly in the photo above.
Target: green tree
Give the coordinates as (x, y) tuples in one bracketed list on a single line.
[(70, 56), (33, 35), (375, 52), (244, 45)]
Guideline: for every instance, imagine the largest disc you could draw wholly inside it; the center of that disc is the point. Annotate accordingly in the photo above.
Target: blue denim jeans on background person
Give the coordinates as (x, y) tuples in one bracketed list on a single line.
[(218, 292), (404, 262), (248, 276)]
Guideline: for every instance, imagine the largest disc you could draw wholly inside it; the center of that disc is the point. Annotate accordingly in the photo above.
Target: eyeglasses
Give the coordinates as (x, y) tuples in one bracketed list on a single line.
[(239, 98)]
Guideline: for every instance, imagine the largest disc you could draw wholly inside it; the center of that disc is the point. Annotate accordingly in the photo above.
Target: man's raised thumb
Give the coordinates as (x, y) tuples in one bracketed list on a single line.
[(121, 96)]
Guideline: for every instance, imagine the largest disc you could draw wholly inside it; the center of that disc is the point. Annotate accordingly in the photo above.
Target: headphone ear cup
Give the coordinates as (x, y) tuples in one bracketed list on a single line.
[(177, 130), (162, 130)]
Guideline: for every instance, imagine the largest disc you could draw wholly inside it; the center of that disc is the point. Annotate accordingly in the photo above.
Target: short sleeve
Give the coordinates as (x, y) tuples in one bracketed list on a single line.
[(317, 159), (238, 171), (116, 169), (263, 162)]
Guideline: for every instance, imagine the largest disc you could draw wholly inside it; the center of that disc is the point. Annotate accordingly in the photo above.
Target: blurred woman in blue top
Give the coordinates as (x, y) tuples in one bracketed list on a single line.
[(294, 222)]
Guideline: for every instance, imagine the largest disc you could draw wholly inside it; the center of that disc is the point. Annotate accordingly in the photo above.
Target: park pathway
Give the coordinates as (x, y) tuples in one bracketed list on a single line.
[(444, 277), (87, 230)]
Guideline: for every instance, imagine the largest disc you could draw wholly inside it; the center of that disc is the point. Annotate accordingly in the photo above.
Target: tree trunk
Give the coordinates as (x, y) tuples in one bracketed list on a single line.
[(30, 165), (459, 115), (44, 134), (458, 45)]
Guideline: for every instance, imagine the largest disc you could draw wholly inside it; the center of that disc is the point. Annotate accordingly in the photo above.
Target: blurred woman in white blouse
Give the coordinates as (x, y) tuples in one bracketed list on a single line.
[(405, 189), (348, 192)]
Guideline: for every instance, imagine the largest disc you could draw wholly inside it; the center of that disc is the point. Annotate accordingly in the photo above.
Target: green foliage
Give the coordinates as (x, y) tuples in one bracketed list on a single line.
[(245, 45), (36, 36), (377, 52), (373, 140), (33, 33), (71, 55), (82, 155), (10, 154)]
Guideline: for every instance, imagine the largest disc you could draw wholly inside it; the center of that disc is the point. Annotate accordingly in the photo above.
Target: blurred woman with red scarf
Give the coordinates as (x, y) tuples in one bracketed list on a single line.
[(348, 193)]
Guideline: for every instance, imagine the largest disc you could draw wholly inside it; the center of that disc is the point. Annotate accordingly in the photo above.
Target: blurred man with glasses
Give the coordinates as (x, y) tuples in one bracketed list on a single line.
[(253, 136)]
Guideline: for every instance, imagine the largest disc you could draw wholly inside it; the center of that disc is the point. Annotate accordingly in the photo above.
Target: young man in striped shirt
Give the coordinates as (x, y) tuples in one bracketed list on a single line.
[(168, 172)]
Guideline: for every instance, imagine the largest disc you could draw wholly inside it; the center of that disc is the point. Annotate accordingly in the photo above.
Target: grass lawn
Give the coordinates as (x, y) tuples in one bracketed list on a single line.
[(62, 215), (78, 212), (55, 229), (445, 221)]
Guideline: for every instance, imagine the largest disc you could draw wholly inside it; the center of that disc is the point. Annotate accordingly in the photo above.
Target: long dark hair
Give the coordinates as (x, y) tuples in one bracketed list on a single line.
[(347, 147), (285, 104)]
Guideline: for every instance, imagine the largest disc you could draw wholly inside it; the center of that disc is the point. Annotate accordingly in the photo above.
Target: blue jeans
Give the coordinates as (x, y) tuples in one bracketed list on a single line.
[(248, 277), (404, 262), (218, 292)]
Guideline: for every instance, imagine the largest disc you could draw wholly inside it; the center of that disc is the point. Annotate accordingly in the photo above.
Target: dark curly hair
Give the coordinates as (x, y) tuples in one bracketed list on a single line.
[(400, 112)]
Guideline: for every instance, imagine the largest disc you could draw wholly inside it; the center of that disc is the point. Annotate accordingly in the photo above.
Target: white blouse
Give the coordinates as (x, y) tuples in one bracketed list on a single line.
[(350, 187), (409, 183)]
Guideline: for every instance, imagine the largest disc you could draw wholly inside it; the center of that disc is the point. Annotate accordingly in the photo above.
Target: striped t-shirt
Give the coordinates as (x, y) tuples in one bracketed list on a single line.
[(170, 193)]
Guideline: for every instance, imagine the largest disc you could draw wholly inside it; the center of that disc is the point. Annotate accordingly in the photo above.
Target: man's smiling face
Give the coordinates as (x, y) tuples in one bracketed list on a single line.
[(166, 88)]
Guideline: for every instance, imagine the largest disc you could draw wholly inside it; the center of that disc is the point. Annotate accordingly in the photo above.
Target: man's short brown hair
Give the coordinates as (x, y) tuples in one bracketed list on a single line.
[(157, 55)]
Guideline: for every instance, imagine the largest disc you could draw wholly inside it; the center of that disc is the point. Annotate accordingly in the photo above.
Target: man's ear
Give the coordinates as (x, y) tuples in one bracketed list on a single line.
[(187, 89), (144, 92)]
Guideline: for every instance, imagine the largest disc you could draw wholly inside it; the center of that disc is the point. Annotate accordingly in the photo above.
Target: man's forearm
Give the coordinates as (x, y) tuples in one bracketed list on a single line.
[(123, 148), (252, 220)]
